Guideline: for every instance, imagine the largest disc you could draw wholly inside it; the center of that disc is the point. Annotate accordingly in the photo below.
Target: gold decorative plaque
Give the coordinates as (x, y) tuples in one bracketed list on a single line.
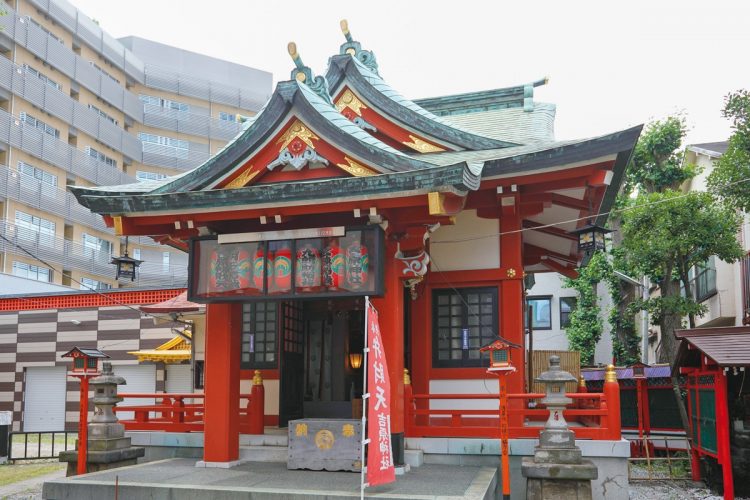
[(418, 144), (351, 101), (355, 168), (347, 430), (297, 130), (324, 439), (300, 430)]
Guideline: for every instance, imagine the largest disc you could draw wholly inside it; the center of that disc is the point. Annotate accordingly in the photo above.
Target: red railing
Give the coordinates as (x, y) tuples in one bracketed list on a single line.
[(185, 412), (590, 416)]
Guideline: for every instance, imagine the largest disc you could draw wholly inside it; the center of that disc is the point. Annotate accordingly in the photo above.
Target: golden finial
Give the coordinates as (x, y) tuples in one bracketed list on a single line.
[(292, 49), (407, 378), (581, 381), (257, 378), (344, 26), (610, 375)]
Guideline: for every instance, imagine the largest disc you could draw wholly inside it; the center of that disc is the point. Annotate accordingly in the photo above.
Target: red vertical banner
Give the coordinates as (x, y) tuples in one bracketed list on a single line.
[(380, 468)]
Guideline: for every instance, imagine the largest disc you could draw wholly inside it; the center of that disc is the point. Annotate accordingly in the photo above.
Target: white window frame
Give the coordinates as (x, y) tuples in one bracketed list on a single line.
[(49, 81), (29, 172), (32, 272), (103, 114), (43, 227), (37, 123), (144, 175), (92, 284), (95, 153)]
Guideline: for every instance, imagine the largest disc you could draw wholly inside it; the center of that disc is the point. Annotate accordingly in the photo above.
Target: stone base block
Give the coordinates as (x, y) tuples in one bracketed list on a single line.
[(109, 444), (585, 471), (102, 460), (106, 431), (557, 455), (554, 489)]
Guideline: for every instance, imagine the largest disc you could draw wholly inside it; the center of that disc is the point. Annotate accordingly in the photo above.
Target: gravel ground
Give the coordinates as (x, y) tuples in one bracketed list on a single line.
[(671, 490)]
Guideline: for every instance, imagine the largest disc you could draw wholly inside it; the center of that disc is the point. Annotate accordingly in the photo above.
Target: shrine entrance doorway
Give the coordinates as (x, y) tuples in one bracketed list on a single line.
[(317, 377)]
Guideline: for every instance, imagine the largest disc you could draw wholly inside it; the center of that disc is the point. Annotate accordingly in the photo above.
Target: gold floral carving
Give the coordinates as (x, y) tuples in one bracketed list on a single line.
[(418, 144), (297, 130), (242, 179), (351, 101), (355, 168), (511, 273), (347, 430), (300, 430)]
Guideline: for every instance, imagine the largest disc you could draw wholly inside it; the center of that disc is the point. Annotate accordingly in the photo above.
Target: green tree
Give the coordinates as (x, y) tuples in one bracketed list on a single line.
[(663, 236), (729, 178)]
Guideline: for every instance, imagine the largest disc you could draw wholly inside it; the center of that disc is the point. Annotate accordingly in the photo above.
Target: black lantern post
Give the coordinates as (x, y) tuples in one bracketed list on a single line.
[(591, 237), (126, 265)]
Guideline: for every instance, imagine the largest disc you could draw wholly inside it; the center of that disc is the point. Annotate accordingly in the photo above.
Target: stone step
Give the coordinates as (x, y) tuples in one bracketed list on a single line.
[(263, 453), (414, 458), (264, 440)]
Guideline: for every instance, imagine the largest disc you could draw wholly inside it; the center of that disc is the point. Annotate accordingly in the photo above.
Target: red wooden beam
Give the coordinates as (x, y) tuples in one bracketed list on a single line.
[(551, 230), (533, 250), (553, 265)]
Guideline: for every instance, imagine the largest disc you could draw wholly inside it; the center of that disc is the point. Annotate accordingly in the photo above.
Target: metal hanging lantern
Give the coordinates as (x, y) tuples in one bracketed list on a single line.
[(591, 237), (126, 265)]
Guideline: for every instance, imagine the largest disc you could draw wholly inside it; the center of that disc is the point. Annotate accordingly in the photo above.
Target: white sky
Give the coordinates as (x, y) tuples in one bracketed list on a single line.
[(611, 64)]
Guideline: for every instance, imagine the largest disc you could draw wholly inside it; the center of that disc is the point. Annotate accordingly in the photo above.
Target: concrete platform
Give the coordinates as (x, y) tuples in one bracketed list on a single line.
[(179, 478)]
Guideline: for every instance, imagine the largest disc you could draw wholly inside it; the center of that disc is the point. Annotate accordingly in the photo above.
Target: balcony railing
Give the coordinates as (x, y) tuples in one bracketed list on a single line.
[(60, 154), (189, 122), (70, 255)]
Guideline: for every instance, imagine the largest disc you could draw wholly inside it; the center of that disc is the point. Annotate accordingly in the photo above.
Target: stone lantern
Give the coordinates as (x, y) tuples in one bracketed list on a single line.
[(556, 470), (554, 381)]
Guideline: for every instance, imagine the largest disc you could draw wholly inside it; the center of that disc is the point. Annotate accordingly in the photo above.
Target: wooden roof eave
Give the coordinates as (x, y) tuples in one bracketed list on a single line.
[(343, 69)]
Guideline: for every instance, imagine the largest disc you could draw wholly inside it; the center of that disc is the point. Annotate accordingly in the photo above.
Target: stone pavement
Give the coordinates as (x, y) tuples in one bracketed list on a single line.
[(179, 478)]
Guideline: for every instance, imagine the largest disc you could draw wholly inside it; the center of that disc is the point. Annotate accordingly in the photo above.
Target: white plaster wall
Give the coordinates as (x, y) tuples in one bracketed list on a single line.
[(481, 253), (467, 386), (551, 284)]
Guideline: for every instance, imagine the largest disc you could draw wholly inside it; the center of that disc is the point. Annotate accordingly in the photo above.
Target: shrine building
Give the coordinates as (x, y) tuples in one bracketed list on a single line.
[(341, 188)]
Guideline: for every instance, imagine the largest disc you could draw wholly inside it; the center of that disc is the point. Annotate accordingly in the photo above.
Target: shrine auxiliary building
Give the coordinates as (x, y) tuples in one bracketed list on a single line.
[(340, 188)]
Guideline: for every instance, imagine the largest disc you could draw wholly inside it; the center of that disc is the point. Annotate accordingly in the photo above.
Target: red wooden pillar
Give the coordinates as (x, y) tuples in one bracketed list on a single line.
[(722, 434), (391, 315), (222, 383), (511, 299)]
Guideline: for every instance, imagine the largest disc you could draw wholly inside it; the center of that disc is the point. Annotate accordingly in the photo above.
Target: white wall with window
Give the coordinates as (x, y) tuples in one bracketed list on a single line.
[(92, 284), (95, 244), (30, 226), (32, 272)]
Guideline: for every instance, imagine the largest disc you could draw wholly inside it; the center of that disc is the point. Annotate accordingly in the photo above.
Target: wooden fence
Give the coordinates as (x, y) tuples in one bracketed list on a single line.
[(570, 361)]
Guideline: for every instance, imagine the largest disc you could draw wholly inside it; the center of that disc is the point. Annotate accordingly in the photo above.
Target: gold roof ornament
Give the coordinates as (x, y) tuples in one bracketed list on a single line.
[(175, 350), (610, 375)]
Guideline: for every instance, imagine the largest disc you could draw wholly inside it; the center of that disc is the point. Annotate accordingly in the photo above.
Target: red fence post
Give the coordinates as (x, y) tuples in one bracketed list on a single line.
[(408, 404), (612, 393), (256, 407)]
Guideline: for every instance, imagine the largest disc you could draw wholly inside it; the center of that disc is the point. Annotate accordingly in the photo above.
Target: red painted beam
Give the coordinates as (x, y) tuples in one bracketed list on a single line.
[(551, 230)]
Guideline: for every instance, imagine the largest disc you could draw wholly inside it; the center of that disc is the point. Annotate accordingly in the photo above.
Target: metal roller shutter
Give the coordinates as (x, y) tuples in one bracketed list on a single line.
[(44, 398), (139, 379), (179, 379)]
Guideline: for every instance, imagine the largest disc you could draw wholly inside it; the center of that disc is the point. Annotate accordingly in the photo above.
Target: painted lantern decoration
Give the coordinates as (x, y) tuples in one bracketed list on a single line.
[(244, 268), (333, 266), (282, 269), (258, 271), (223, 270), (307, 271), (357, 266)]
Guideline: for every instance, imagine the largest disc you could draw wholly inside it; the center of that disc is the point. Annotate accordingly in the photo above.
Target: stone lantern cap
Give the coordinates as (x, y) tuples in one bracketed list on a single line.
[(107, 376), (555, 374)]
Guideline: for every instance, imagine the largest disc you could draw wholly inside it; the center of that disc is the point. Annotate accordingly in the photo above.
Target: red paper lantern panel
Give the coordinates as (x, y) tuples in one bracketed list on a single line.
[(282, 270), (307, 270), (357, 266), (333, 266)]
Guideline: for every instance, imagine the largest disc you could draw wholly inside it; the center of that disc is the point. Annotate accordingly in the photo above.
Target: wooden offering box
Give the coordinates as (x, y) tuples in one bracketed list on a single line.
[(325, 444)]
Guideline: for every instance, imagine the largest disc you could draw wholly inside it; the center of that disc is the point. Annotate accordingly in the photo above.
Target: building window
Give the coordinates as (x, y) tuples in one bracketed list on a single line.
[(89, 284), (165, 261), (198, 373), (47, 129), (95, 244), (259, 335), (48, 32), (541, 312), (29, 172), (42, 77), (567, 304), (32, 227), (142, 175), (463, 320), (101, 156), (705, 279), (153, 143), (137, 253), (103, 114), (164, 103), (227, 117), (100, 70), (32, 272)]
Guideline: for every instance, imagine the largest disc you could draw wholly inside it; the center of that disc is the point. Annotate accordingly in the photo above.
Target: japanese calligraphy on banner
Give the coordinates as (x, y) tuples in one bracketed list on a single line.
[(380, 468)]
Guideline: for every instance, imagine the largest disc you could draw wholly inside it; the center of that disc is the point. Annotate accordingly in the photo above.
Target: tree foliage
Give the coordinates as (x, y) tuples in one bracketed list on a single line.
[(729, 179), (657, 163), (664, 235)]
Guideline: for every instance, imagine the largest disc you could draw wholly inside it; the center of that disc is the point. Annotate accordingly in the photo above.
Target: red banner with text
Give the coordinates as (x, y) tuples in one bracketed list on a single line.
[(380, 468)]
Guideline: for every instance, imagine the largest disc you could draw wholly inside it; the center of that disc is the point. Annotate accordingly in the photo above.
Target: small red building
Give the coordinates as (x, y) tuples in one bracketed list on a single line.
[(341, 188)]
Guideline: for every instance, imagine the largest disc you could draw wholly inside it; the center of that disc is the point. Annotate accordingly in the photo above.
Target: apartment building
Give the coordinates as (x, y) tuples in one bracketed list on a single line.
[(79, 107)]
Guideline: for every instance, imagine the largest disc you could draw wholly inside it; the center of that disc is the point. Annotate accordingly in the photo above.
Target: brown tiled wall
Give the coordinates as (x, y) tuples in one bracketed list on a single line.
[(39, 338)]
